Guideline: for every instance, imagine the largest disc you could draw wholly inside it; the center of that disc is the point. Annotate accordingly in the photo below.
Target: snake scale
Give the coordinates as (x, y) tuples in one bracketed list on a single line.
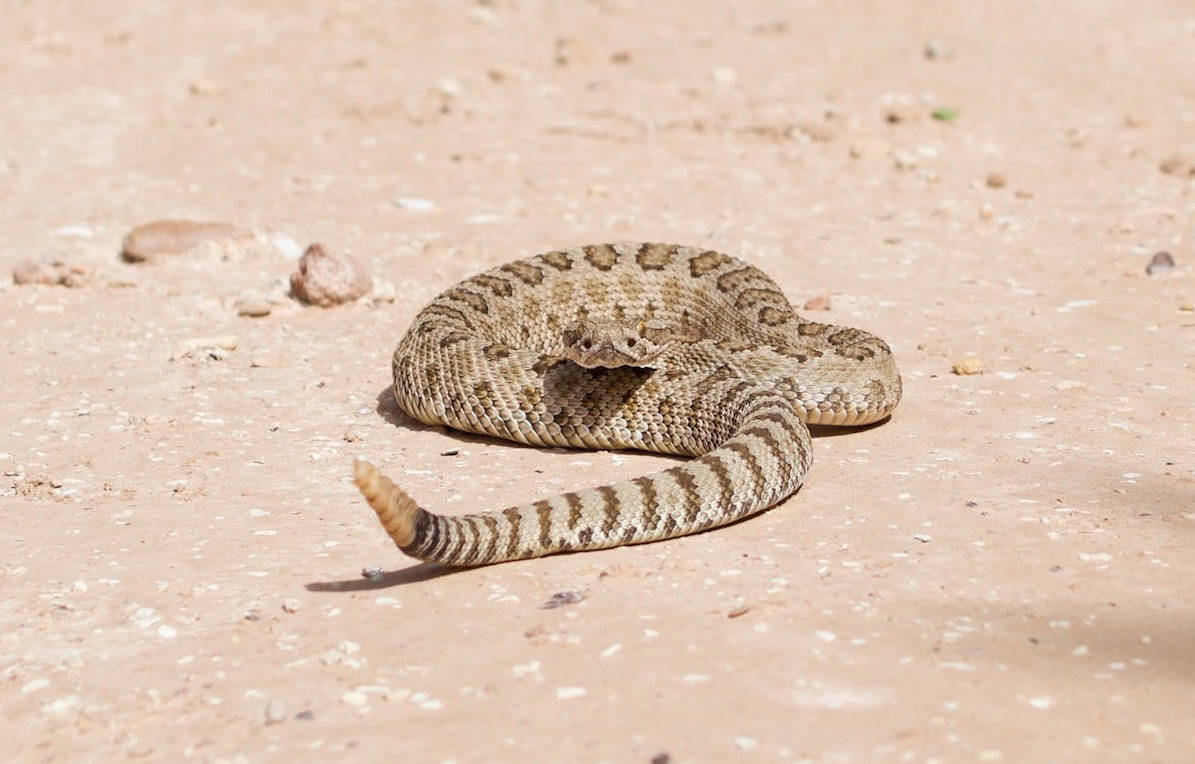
[(657, 347)]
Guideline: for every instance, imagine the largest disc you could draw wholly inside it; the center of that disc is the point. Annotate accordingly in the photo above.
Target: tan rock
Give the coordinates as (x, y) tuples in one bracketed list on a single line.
[(326, 278), (967, 366), (150, 242), (51, 272), (254, 307), (33, 271)]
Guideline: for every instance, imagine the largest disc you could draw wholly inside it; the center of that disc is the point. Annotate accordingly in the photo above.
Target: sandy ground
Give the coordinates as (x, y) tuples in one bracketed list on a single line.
[(1003, 571)]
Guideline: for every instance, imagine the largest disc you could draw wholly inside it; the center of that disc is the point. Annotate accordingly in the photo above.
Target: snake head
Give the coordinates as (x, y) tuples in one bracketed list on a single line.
[(610, 344)]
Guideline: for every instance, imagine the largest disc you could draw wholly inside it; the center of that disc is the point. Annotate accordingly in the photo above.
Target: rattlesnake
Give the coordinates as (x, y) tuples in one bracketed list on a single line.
[(657, 347)]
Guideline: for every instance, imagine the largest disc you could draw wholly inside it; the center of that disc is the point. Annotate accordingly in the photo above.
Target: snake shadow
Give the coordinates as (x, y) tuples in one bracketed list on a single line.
[(414, 574)]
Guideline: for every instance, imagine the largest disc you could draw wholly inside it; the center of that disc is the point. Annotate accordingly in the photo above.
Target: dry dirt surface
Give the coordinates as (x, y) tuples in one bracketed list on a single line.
[(1002, 572)]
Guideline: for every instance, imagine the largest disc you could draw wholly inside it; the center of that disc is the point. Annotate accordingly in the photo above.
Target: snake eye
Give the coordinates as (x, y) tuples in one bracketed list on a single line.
[(587, 344), (631, 342)]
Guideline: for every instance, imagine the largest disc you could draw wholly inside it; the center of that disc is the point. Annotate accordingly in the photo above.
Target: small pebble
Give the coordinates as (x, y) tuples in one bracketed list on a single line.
[(996, 180), (559, 599), (817, 131), (31, 271), (49, 271), (33, 685), (450, 452), (275, 711), (204, 88), (305, 716), (210, 346), (150, 242), (569, 693), (325, 279), (415, 205), (1179, 165), (821, 302), (905, 160), (1186, 306), (291, 605), (286, 246), (373, 573), (922, 537), (254, 307), (724, 75), (354, 698), (1161, 262), (74, 232), (967, 366), (739, 611)]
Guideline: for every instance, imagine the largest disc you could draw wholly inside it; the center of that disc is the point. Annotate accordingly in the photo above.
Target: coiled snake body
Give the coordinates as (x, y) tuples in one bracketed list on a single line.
[(657, 347)]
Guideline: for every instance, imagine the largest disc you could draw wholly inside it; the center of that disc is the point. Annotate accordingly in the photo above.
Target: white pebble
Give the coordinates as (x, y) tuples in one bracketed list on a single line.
[(1041, 701), (73, 232), (386, 602), (924, 538), (61, 706), (568, 693), (414, 204), (288, 247), (695, 678), (354, 698), (745, 743), (531, 668), (167, 632), (611, 650), (275, 711), (724, 75), (145, 617), (33, 685), (825, 636)]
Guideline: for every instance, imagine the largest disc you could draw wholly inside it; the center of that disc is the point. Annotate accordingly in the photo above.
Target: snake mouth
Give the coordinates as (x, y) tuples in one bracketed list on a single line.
[(605, 358)]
